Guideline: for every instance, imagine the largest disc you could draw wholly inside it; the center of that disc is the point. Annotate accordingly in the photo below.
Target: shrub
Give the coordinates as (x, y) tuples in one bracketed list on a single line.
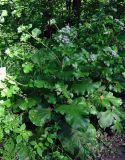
[(59, 91)]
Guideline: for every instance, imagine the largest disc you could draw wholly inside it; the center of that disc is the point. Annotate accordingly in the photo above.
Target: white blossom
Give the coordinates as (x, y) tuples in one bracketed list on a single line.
[(2, 73), (64, 39), (93, 57), (66, 35), (65, 29)]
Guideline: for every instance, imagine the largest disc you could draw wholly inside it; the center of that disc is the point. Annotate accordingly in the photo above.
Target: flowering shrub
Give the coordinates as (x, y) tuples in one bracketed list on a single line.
[(57, 92)]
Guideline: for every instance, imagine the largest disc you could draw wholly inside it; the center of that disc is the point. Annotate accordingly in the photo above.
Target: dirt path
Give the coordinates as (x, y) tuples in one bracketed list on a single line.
[(116, 150)]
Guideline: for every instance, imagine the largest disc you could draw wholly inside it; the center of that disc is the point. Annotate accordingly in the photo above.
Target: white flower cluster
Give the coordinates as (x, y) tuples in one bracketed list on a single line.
[(64, 35), (66, 30), (93, 57), (64, 39)]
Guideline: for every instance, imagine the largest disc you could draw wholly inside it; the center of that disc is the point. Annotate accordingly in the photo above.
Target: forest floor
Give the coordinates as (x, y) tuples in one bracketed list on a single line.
[(115, 150)]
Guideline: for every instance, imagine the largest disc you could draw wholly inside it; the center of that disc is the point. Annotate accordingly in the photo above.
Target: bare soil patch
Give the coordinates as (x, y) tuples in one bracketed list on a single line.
[(115, 150)]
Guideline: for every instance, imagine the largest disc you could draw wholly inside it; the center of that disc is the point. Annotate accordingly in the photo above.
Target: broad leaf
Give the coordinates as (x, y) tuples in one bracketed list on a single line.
[(25, 104), (42, 84), (24, 152), (36, 32), (113, 100), (2, 111), (107, 100), (27, 67), (40, 117), (106, 119), (75, 113), (85, 86), (75, 141)]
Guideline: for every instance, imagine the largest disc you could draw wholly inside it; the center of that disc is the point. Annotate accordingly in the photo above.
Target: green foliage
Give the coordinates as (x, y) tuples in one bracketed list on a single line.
[(74, 114), (39, 117), (60, 71), (36, 32)]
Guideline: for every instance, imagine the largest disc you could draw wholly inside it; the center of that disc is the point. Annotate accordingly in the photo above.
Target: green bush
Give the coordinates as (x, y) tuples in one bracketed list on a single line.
[(59, 91)]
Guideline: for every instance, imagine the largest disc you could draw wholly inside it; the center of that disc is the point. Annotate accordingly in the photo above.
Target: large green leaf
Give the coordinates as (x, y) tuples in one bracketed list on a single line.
[(23, 151), (85, 86), (36, 32), (114, 100), (42, 84), (40, 117), (75, 141), (2, 111), (107, 100), (27, 67), (106, 119), (75, 113), (37, 58), (27, 103)]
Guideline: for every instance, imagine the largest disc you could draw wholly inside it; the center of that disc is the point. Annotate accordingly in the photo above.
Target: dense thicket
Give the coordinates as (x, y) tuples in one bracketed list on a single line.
[(62, 77)]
